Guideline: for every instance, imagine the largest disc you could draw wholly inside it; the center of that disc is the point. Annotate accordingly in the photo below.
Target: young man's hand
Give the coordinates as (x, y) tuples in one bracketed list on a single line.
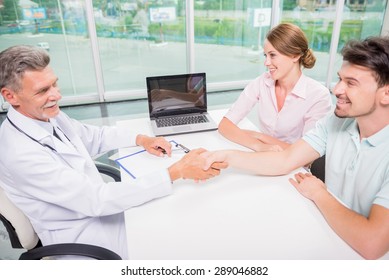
[(191, 167)]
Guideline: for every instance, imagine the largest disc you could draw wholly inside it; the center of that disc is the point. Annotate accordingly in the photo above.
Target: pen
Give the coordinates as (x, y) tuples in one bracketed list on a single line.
[(186, 150), (162, 150)]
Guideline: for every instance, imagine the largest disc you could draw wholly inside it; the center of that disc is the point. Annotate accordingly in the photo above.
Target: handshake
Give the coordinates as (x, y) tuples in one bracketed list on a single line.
[(195, 165), (198, 164)]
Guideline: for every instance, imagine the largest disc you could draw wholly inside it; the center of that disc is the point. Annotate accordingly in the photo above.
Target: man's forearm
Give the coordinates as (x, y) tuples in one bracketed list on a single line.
[(272, 163), (361, 233), (261, 163)]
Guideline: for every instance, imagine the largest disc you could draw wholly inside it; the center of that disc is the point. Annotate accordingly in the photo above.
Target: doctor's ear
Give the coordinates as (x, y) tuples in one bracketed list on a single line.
[(10, 96)]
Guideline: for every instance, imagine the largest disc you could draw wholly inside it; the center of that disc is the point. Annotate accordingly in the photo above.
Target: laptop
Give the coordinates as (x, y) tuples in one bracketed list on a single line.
[(178, 104)]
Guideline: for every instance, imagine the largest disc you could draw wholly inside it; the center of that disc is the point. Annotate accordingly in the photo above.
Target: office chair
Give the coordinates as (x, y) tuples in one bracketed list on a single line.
[(23, 236), (318, 168), (109, 170)]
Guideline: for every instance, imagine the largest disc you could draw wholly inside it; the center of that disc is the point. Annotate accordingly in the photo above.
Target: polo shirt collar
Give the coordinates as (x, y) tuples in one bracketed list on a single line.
[(380, 137), (376, 139)]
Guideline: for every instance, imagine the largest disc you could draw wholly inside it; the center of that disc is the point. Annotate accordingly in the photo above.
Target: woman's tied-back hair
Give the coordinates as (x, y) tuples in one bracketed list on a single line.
[(291, 41), (372, 53), (16, 60)]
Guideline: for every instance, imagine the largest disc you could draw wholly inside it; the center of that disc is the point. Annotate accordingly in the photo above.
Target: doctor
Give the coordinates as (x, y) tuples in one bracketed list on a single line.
[(46, 167)]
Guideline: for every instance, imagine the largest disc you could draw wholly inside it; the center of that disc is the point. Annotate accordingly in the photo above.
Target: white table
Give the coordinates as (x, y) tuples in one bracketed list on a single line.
[(233, 216)]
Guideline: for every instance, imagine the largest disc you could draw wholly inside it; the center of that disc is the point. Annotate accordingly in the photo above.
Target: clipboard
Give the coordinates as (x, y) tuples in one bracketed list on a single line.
[(140, 162)]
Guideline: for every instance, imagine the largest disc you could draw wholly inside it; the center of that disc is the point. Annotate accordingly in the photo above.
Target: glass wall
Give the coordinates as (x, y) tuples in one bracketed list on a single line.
[(360, 19), (102, 50), (138, 39), (355, 19), (229, 38), (60, 28)]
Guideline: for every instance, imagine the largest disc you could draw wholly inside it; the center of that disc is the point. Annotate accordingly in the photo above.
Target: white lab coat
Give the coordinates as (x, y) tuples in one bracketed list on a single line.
[(61, 191)]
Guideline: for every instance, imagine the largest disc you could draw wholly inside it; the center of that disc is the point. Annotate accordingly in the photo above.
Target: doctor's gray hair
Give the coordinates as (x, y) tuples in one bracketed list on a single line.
[(16, 60)]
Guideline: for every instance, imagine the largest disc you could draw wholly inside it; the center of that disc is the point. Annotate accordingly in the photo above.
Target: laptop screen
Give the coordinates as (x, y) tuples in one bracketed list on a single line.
[(176, 94)]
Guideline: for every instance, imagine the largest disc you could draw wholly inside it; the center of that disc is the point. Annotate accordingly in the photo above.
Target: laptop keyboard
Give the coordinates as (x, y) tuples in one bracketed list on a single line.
[(174, 121)]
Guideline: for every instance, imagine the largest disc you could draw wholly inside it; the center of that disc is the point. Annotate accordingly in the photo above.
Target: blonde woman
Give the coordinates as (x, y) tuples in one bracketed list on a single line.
[(288, 102)]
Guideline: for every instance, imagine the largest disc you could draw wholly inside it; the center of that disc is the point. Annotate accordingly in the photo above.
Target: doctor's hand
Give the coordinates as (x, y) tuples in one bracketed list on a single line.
[(191, 167), (157, 146), (308, 185)]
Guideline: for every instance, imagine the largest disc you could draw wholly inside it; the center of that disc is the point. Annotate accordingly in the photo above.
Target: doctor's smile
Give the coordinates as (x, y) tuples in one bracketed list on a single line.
[(51, 105)]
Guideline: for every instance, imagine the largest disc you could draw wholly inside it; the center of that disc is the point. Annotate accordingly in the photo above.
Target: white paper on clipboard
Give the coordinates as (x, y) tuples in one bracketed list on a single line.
[(140, 162)]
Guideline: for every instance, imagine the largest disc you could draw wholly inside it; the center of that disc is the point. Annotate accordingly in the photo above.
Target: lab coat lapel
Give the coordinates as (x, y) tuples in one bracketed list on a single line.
[(66, 152), (75, 145), (77, 156), (80, 159)]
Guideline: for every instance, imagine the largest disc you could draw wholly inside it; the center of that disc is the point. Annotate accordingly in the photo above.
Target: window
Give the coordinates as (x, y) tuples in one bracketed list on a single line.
[(137, 39), (359, 19), (103, 50), (228, 37), (60, 28)]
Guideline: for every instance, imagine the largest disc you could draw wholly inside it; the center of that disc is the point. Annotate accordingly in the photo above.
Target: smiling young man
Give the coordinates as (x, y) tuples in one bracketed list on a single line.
[(356, 142)]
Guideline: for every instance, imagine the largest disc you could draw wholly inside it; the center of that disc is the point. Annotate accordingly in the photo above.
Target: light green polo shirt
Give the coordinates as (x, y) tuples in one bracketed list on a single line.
[(357, 172)]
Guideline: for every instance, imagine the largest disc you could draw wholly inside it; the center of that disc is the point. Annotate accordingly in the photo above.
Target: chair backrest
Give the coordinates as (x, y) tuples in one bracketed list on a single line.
[(22, 234), (20, 230), (318, 168)]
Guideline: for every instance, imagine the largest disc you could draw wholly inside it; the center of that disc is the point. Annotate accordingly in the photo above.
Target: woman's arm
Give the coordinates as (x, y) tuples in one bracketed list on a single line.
[(267, 139), (244, 137)]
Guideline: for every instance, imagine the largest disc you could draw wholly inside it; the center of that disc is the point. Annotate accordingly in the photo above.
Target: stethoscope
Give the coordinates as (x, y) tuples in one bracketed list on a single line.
[(33, 139)]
